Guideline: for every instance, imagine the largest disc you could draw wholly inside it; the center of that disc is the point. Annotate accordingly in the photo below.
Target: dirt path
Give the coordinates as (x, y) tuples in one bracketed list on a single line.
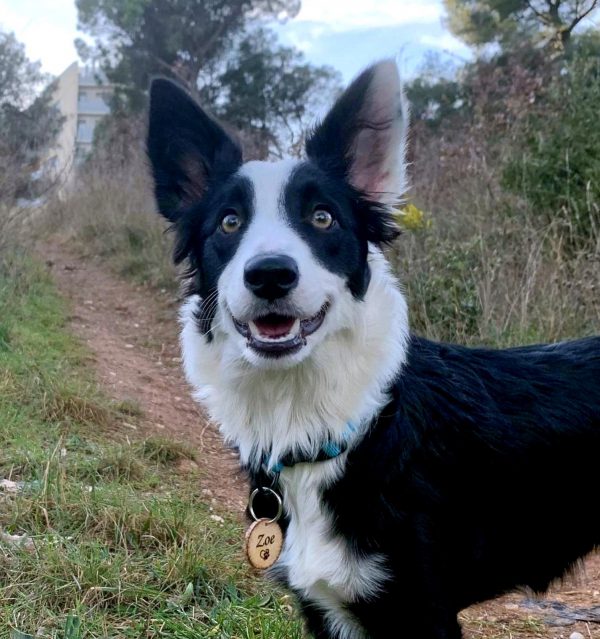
[(132, 334)]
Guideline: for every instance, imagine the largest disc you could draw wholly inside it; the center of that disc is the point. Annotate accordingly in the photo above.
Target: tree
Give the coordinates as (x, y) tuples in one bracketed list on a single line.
[(136, 39), (436, 93), (28, 120), (505, 22), (218, 51), (555, 160), (267, 92), (19, 77)]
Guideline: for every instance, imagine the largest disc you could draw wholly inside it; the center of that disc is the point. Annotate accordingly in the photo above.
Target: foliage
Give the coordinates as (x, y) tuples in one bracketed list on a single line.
[(267, 91), (506, 22), (434, 100), (504, 158), (490, 93), (136, 39), (556, 164), (101, 536), (29, 124), (218, 52), (19, 77), (27, 134)]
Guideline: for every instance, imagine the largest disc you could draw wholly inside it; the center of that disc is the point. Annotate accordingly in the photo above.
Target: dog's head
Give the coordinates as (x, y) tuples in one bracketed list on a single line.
[(279, 251)]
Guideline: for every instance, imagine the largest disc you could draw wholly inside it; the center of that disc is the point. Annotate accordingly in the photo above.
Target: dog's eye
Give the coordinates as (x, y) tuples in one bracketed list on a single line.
[(322, 219), (231, 222)]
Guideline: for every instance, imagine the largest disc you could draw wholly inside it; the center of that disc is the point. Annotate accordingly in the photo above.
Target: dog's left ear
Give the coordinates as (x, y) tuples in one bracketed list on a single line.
[(188, 148), (362, 138)]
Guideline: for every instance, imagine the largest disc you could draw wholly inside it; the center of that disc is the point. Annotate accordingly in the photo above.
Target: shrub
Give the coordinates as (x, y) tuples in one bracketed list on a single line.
[(557, 164)]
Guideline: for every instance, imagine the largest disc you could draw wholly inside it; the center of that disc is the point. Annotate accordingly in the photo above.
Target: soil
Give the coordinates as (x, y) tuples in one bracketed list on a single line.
[(132, 333)]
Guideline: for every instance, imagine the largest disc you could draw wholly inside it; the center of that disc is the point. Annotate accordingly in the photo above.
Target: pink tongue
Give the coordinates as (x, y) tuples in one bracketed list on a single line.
[(268, 327)]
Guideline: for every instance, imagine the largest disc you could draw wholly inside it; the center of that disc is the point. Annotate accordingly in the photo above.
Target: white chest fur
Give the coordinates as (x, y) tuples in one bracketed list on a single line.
[(273, 412), (317, 563)]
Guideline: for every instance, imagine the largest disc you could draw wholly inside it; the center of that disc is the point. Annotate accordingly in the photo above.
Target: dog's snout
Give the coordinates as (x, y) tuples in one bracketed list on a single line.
[(271, 276)]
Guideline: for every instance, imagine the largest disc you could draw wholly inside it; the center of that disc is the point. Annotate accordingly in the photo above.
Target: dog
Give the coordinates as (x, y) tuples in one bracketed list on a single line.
[(417, 478)]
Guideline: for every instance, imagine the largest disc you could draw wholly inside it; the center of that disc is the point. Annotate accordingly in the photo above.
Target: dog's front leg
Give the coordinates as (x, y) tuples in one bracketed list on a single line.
[(316, 624), (384, 621), (405, 614)]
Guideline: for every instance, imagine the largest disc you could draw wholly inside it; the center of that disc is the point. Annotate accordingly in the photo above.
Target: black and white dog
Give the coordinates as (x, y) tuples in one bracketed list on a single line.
[(417, 477)]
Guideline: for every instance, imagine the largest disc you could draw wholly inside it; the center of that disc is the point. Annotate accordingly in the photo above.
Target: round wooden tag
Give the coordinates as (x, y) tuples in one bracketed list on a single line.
[(264, 540)]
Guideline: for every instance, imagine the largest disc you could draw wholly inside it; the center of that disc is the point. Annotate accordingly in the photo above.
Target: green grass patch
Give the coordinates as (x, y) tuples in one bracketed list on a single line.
[(101, 536)]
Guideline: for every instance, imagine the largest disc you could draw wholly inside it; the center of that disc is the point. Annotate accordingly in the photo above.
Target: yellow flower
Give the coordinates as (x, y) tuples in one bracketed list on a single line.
[(411, 218)]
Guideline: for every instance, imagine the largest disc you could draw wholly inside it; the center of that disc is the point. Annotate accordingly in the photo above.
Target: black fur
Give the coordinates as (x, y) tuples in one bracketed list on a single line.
[(343, 248), (479, 476), (330, 147), (188, 149), (194, 162)]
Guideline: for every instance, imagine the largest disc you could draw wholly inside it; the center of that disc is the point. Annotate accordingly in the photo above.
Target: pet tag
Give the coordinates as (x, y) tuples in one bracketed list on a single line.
[(264, 537)]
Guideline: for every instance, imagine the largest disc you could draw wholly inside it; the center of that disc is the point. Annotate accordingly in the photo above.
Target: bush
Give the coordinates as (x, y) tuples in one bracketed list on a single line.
[(557, 164)]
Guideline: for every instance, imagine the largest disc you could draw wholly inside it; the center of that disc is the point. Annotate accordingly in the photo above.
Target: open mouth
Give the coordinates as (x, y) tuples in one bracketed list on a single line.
[(275, 335)]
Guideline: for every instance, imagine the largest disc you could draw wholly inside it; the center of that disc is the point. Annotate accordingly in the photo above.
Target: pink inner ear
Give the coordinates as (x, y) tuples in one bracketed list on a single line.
[(370, 165), (196, 178), (377, 155)]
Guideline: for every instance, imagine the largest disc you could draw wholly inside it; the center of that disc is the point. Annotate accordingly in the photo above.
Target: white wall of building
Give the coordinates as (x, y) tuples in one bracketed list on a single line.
[(83, 100)]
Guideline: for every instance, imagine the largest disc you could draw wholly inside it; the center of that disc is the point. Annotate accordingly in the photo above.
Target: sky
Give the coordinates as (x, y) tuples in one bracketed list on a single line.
[(346, 34)]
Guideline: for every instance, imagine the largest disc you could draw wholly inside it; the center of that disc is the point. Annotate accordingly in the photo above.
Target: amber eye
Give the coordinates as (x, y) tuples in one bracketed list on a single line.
[(231, 223), (322, 219)]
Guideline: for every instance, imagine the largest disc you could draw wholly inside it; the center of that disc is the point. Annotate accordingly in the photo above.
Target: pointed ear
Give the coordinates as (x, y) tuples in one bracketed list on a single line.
[(363, 137), (187, 148)]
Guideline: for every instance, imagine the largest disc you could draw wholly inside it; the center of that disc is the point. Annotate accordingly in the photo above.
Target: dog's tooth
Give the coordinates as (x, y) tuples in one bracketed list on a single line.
[(254, 329)]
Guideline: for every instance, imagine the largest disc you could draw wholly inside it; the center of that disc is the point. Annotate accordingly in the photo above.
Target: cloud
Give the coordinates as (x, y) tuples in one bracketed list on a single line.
[(351, 50), (46, 27), (445, 41), (343, 15), (347, 34)]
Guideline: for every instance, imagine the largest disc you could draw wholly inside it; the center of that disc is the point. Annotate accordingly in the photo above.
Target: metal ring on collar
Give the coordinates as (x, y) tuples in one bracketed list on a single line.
[(272, 492)]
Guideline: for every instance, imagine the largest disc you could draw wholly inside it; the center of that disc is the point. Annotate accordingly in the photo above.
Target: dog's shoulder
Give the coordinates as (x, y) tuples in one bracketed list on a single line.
[(446, 394), (495, 376)]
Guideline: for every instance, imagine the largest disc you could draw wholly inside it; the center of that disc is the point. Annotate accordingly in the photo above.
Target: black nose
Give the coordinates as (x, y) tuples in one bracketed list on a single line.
[(271, 276)]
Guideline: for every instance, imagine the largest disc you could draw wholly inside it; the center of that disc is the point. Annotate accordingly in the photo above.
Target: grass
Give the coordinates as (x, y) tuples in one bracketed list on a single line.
[(111, 215), (486, 270), (100, 536), (502, 286)]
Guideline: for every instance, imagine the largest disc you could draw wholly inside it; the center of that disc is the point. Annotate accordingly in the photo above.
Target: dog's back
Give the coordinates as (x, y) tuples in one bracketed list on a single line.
[(487, 463)]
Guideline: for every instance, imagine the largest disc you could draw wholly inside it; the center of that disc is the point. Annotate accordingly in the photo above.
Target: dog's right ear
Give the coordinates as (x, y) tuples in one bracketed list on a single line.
[(187, 148), (362, 138)]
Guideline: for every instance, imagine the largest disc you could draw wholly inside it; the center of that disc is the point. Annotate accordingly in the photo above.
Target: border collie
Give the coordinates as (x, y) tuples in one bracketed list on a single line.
[(417, 478)]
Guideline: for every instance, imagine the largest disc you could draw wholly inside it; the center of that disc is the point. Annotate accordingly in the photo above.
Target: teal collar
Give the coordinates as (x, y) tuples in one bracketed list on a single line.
[(329, 450)]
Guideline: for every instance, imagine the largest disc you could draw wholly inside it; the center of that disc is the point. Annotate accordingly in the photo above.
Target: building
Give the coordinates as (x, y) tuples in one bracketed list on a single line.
[(83, 99), (93, 103)]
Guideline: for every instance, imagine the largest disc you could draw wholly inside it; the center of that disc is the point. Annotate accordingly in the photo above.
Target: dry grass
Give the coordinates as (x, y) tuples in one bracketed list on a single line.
[(110, 213), (487, 271)]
